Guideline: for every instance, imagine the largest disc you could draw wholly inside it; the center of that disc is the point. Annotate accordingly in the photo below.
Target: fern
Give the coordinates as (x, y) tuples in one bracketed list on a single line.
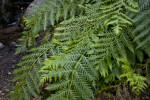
[(144, 4), (136, 81), (84, 46), (113, 11), (76, 74), (28, 76), (142, 31), (48, 15)]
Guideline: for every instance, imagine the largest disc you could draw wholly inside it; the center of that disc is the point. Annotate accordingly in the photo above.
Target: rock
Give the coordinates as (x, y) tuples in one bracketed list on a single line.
[(34, 4), (9, 73), (7, 90), (1, 45), (13, 66), (14, 44)]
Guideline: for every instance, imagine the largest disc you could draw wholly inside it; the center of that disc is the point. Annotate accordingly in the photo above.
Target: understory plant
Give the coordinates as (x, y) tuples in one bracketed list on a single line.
[(79, 48)]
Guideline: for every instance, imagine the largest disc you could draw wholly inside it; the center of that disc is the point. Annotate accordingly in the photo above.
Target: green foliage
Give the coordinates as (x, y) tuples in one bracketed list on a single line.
[(74, 75), (135, 80), (113, 13), (89, 41), (28, 76), (142, 21), (48, 15)]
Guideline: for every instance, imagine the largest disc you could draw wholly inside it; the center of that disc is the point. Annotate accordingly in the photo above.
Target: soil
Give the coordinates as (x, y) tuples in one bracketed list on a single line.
[(8, 59), (10, 34), (8, 63), (107, 96)]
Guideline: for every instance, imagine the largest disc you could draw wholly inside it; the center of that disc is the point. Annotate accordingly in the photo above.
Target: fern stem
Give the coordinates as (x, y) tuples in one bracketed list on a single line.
[(29, 71), (72, 76)]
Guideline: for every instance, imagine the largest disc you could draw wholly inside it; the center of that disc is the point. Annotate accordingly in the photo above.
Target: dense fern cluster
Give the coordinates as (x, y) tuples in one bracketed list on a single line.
[(47, 15), (88, 41)]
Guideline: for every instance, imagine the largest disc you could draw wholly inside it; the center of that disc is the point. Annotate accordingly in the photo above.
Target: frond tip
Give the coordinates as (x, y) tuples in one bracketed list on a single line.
[(114, 14)]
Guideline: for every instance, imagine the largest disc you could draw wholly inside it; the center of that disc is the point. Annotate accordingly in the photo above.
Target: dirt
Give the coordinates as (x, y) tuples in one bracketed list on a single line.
[(107, 96), (10, 34), (8, 63)]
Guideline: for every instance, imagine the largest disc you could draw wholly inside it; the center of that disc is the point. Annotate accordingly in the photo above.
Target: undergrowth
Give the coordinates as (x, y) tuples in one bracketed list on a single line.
[(87, 47)]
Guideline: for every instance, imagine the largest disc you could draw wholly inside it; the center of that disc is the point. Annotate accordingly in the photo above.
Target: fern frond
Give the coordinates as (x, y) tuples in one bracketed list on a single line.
[(48, 15), (136, 81), (77, 72), (114, 14), (142, 31), (28, 75), (85, 46), (145, 4)]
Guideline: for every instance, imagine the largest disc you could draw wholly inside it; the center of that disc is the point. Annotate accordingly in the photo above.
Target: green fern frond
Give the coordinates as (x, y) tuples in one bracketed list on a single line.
[(136, 81), (142, 31), (114, 14), (84, 47), (98, 41), (77, 72), (48, 15), (28, 75), (145, 4)]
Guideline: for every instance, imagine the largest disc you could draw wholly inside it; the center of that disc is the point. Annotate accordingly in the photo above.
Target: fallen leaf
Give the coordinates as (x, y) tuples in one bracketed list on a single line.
[(2, 93), (13, 66), (17, 83), (7, 90), (9, 73)]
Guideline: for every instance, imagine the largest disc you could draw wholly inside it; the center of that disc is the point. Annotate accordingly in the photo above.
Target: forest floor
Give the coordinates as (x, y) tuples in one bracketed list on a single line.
[(8, 61)]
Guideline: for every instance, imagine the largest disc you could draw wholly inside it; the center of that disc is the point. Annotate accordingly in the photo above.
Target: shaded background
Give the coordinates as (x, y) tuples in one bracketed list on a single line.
[(10, 11)]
